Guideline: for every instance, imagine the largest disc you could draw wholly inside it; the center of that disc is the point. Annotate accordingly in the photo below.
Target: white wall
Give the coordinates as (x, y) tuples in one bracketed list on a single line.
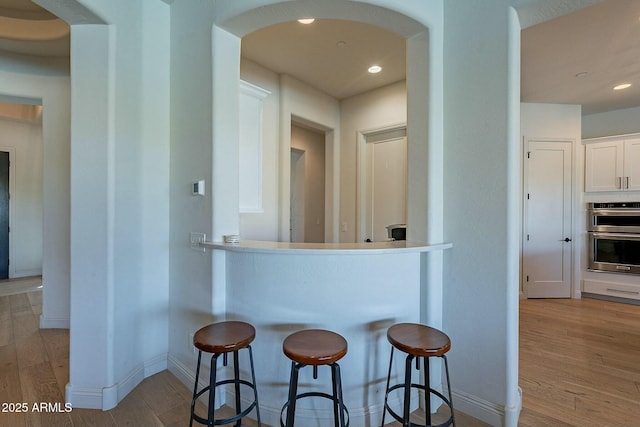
[(24, 138), (618, 122), (264, 225), (191, 294), (482, 196), (374, 110), (119, 210), (304, 104), (551, 121), (45, 81), (289, 98)]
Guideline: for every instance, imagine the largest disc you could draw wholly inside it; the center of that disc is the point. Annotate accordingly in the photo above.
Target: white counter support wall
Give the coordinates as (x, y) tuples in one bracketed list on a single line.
[(357, 290)]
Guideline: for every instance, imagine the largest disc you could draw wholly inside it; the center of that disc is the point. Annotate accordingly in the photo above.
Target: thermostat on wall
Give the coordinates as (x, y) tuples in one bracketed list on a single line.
[(198, 188)]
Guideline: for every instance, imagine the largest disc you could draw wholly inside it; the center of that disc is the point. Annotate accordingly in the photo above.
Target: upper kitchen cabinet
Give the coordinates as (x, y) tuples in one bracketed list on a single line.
[(612, 164)]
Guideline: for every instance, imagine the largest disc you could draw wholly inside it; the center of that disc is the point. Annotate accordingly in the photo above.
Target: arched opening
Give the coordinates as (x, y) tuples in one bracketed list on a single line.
[(424, 167), (318, 74)]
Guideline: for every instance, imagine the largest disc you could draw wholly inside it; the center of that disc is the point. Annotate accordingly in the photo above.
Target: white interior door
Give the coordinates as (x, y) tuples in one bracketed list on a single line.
[(547, 234), (386, 187)]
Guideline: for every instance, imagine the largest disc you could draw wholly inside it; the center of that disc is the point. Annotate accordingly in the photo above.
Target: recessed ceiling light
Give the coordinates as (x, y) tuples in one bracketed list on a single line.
[(341, 43), (306, 20), (622, 86), (375, 69)]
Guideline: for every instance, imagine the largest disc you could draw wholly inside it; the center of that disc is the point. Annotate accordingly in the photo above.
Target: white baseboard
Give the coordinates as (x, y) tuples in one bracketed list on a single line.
[(185, 374), (108, 397), (83, 397), (47, 322), (156, 364), (490, 413), (27, 273)]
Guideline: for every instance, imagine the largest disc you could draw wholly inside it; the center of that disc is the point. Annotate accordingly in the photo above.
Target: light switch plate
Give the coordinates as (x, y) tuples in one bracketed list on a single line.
[(195, 239)]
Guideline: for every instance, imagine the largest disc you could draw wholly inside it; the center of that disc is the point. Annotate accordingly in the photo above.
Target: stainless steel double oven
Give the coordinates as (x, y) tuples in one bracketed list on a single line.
[(614, 237)]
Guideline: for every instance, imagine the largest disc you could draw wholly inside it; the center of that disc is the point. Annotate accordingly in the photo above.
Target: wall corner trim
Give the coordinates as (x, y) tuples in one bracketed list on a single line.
[(108, 397)]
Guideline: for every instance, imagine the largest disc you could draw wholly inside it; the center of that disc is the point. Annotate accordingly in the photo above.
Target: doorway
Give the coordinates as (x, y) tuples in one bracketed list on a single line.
[(307, 189), (4, 215), (548, 241), (382, 182), (21, 190)]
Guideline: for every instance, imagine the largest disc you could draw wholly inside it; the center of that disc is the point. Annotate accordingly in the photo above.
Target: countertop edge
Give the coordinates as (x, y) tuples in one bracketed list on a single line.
[(393, 247)]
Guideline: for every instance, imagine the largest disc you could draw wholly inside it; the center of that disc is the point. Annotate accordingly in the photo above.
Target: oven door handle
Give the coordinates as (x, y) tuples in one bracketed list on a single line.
[(614, 212), (615, 236)]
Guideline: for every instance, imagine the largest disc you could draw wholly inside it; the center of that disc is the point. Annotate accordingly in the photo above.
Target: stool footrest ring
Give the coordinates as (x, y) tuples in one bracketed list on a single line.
[(229, 420), (422, 387), (315, 394)]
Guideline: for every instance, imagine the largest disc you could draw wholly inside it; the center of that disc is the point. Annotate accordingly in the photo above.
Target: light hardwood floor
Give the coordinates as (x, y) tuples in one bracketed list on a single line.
[(579, 366), (579, 363)]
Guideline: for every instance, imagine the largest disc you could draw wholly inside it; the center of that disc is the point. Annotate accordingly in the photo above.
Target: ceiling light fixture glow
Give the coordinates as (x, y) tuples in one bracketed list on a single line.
[(622, 86), (374, 69), (306, 20)]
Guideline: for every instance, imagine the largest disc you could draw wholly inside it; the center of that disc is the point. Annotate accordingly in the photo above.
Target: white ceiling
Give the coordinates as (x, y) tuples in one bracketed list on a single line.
[(26, 28), (330, 55), (602, 40)]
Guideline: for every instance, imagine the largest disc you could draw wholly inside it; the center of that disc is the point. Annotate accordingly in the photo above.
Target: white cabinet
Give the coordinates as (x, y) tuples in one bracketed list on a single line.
[(612, 164), (632, 164), (612, 289)]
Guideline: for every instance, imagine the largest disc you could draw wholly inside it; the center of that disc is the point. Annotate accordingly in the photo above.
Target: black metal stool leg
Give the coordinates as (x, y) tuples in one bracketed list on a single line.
[(236, 382), (255, 386), (212, 388), (427, 391), (293, 390), (195, 390), (338, 404), (386, 393), (407, 392), (446, 369)]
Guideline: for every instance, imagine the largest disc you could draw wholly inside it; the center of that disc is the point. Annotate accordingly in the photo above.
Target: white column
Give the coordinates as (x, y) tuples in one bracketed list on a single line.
[(91, 382)]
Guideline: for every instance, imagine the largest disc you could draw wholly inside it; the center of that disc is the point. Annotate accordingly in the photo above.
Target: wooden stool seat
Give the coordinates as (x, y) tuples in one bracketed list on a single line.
[(224, 337), (418, 340), (220, 339), (315, 347)]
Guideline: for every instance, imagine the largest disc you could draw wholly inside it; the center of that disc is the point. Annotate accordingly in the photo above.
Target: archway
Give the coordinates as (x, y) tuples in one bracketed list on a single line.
[(424, 123)]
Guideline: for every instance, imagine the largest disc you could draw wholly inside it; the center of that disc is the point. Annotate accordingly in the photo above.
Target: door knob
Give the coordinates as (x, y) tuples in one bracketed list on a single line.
[(566, 239)]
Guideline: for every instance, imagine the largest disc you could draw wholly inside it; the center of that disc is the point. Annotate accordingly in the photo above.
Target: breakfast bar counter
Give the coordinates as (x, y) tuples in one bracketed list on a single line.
[(355, 289), (393, 246)]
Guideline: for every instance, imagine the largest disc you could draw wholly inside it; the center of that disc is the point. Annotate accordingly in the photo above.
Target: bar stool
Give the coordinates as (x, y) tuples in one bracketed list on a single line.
[(315, 347), (418, 341), (220, 339)]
